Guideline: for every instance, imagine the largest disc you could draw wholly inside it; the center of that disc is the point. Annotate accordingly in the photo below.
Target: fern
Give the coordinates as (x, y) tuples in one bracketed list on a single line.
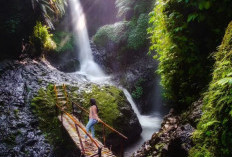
[(49, 9)]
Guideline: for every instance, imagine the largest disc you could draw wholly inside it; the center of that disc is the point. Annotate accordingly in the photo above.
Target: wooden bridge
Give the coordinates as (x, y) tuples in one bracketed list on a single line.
[(76, 130)]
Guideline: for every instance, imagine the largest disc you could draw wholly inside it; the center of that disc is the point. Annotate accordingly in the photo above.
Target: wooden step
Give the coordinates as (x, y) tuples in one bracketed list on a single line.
[(60, 94), (62, 102)]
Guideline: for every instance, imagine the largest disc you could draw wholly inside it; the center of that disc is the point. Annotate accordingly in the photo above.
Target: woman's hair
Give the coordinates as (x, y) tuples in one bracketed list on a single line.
[(93, 102)]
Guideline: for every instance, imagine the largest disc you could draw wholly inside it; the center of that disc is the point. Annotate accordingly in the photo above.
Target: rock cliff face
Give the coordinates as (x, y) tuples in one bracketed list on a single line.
[(19, 83), (131, 71), (174, 139)]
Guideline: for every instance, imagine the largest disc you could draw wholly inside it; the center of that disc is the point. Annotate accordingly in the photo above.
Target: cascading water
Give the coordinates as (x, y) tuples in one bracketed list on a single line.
[(150, 123), (88, 66), (91, 70)]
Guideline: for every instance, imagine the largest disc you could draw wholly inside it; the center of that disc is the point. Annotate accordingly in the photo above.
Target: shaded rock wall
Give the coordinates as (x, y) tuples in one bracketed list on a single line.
[(17, 19), (130, 70)]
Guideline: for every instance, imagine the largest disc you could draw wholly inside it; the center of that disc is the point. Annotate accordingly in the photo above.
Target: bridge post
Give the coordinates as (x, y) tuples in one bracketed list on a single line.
[(122, 150), (99, 152), (82, 147)]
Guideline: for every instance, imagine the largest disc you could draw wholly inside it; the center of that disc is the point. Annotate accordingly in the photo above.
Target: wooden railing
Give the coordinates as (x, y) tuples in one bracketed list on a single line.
[(78, 125), (111, 128)]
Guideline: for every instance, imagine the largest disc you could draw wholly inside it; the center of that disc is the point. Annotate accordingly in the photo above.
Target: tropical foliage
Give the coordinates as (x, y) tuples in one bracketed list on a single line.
[(137, 37), (213, 136), (45, 101), (18, 19), (115, 34), (131, 32), (49, 9), (184, 33), (124, 6), (41, 38)]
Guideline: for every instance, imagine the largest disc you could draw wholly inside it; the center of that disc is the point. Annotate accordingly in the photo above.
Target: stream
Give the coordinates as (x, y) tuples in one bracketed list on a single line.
[(150, 123)]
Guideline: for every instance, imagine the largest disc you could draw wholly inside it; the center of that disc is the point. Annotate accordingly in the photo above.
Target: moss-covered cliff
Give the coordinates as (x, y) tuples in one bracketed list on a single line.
[(184, 33), (213, 137)]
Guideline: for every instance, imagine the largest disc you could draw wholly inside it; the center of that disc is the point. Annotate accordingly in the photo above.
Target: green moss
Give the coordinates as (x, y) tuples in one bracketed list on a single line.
[(43, 105), (115, 33), (108, 99), (16, 111), (138, 91), (213, 136)]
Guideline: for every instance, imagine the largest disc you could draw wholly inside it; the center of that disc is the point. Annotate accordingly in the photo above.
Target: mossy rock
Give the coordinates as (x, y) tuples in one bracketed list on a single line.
[(111, 34), (64, 41), (114, 109)]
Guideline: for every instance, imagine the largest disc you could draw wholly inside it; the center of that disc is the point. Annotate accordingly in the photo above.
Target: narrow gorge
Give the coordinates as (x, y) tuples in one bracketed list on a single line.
[(160, 71)]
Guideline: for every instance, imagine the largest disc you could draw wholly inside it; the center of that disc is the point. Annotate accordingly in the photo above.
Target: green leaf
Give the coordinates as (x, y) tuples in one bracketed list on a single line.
[(230, 74), (192, 17), (208, 133), (230, 113), (204, 5), (225, 80), (207, 5)]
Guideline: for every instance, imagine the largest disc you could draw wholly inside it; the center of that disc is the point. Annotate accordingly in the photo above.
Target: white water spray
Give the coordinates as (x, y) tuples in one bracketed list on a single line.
[(88, 66), (149, 123)]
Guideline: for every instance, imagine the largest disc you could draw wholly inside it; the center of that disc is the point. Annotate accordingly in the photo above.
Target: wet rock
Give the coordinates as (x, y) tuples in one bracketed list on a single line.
[(130, 70), (174, 139), (72, 65)]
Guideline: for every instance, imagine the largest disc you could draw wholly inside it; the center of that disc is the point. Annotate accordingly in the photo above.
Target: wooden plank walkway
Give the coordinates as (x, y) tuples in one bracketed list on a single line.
[(90, 148)]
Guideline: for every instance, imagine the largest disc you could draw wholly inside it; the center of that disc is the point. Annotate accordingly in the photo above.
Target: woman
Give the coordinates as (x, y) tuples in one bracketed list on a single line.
[(93, 117)]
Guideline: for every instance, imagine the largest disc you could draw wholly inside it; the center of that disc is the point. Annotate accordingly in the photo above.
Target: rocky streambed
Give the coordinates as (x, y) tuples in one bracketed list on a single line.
[(20, 82), (174, 139)]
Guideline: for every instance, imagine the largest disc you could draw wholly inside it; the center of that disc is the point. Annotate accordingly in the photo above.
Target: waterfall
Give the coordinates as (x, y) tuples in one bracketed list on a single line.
[(149, 123), (92, 71), (88, 66)]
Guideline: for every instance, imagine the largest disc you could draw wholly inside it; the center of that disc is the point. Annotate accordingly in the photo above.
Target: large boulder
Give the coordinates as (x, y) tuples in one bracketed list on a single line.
[(114, 109)]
